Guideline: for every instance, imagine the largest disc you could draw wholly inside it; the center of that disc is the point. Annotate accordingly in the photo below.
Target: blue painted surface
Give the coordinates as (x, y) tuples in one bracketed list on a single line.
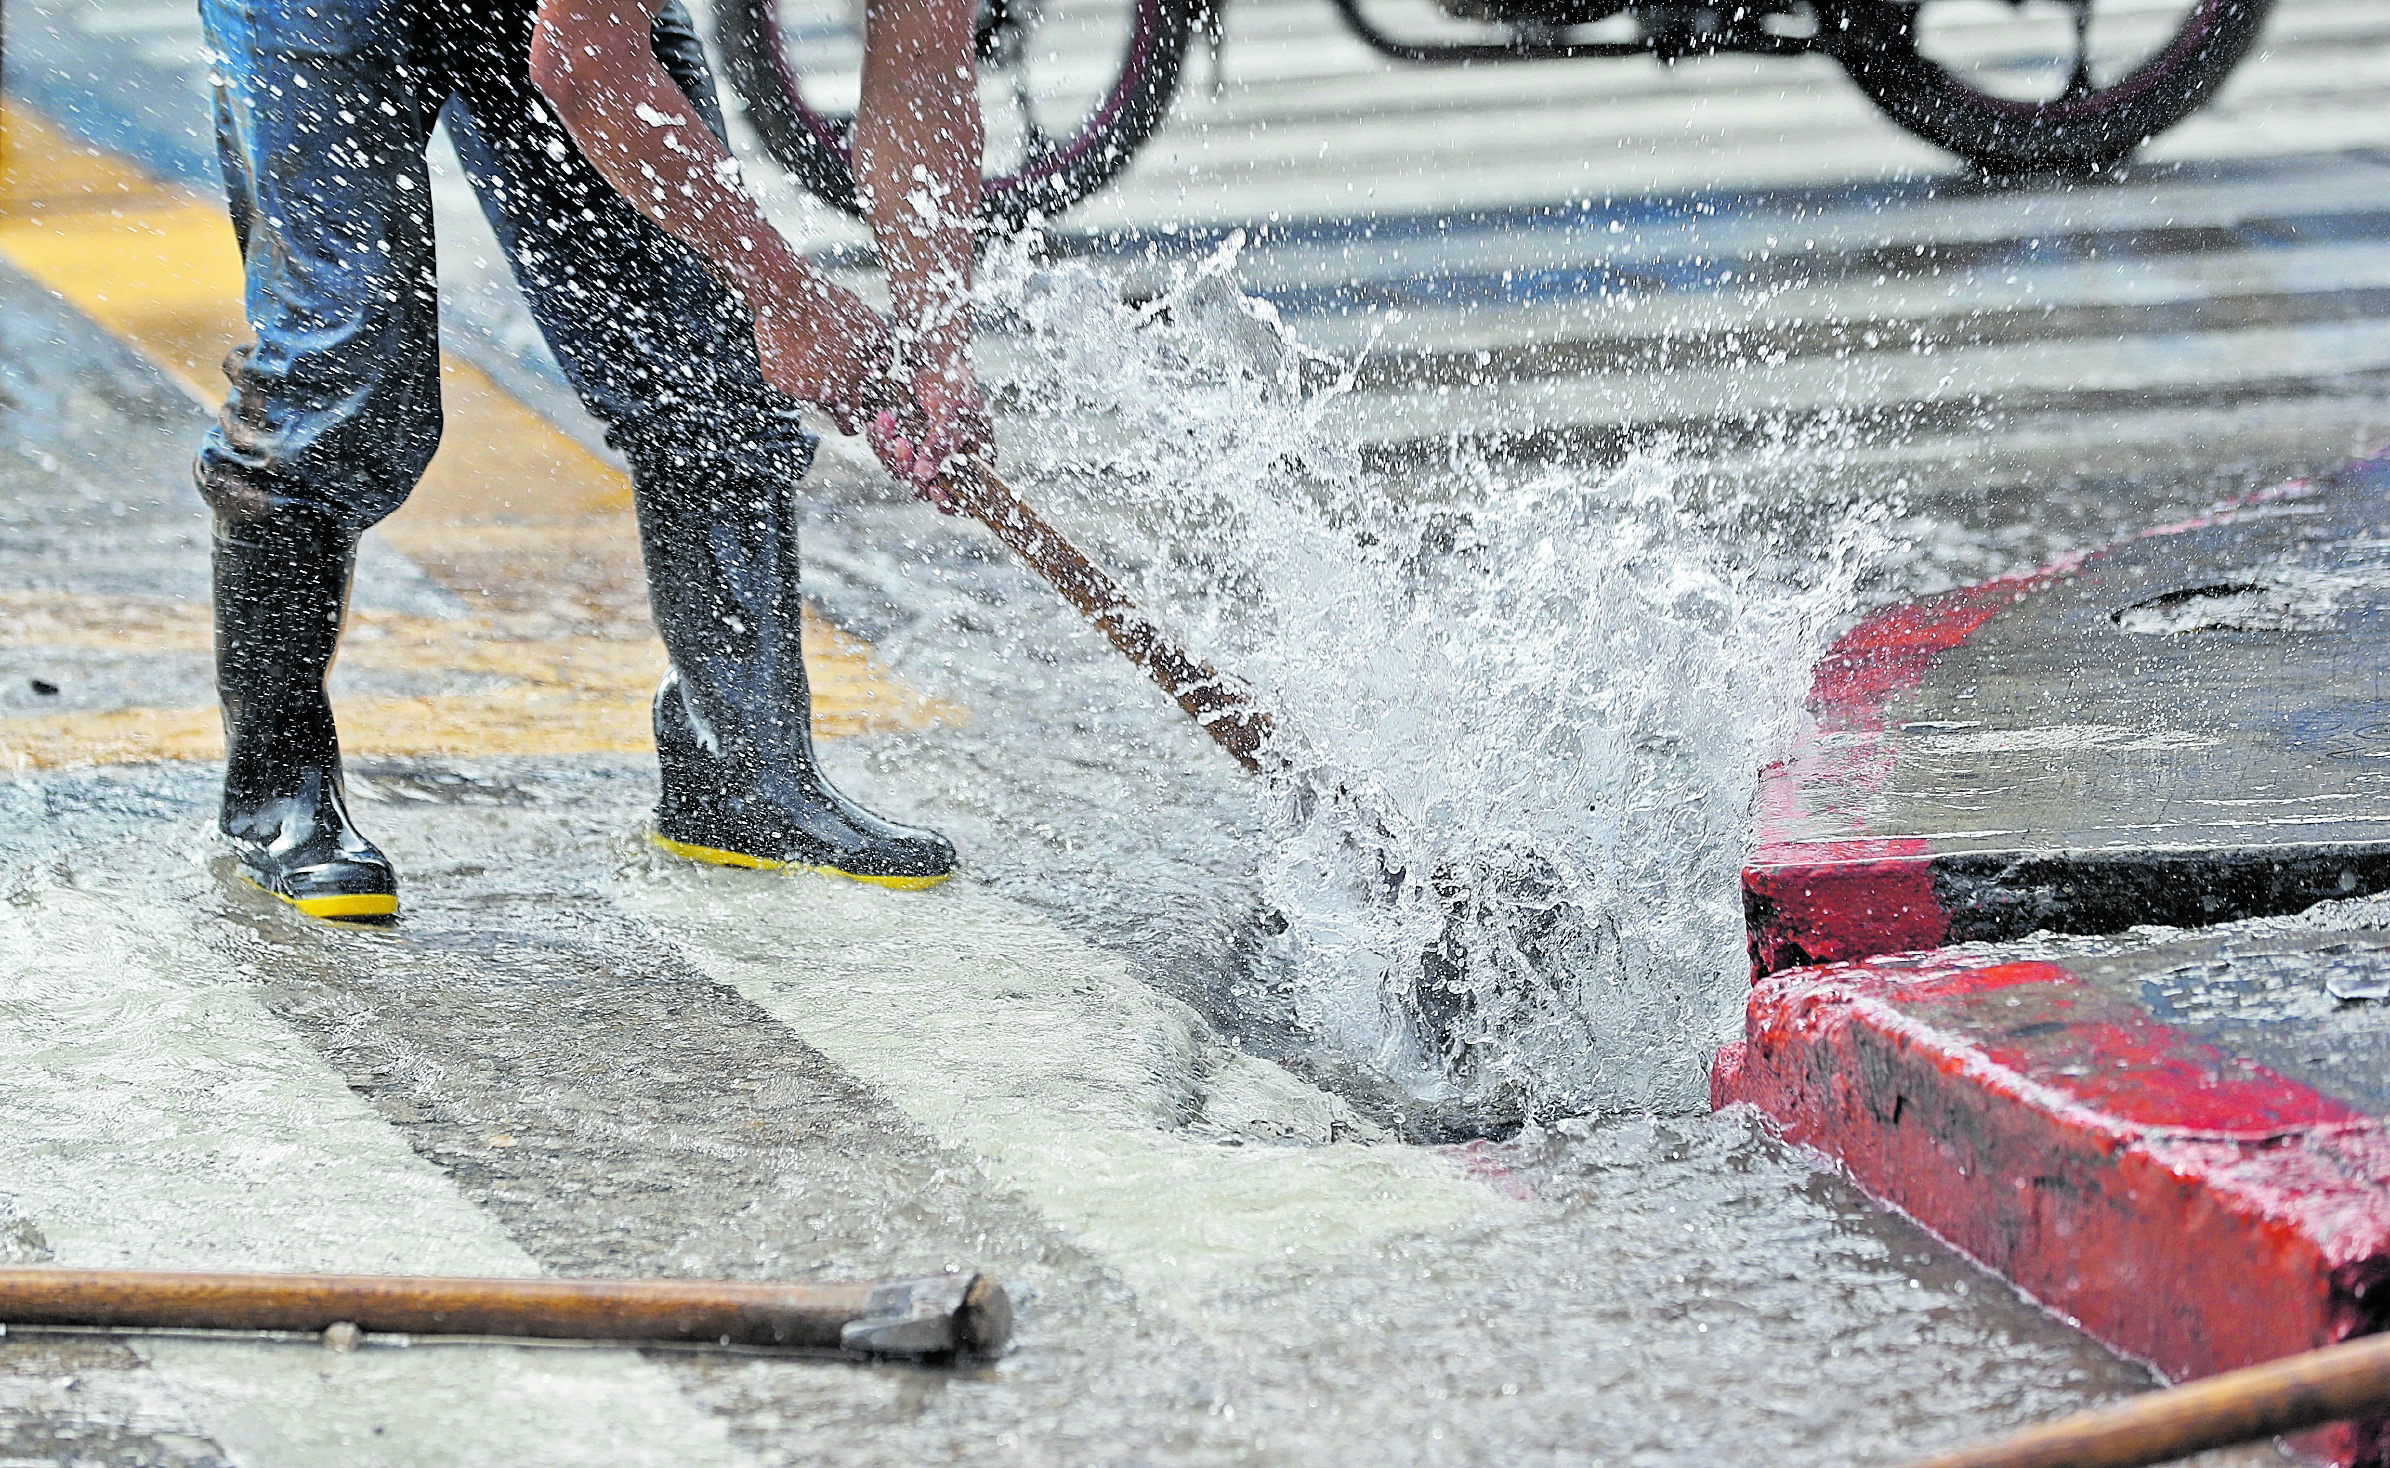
[(1625, 275), (111, 91)]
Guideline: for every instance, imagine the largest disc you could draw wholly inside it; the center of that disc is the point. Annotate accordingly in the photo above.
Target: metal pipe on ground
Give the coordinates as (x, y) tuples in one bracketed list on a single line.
[(2335, 1384), (934, 1315)]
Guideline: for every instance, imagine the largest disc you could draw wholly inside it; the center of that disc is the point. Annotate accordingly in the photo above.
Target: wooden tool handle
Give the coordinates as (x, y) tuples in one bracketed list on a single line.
[(1221, 704), (934, 1315), (2308, 1390)]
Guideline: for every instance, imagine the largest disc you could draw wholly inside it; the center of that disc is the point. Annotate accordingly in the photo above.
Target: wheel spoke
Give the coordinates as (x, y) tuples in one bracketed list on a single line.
[(1215, 40), (2015, 86), (1101, 70), (2038, 52), (2079, 84), (1024, 102)]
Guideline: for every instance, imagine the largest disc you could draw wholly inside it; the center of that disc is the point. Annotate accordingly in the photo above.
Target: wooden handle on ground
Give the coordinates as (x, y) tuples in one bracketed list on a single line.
[(1221, 704), (934, 1315), (2290, 1395)]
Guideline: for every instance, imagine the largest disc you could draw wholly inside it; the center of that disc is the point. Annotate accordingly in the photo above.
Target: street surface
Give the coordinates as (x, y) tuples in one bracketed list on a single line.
[(575, 1056), (2040, 365)]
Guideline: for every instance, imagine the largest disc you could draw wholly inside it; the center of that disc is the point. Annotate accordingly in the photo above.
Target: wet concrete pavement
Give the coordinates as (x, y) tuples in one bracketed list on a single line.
[(577, 1057), (2297, 998), (2176, 729)]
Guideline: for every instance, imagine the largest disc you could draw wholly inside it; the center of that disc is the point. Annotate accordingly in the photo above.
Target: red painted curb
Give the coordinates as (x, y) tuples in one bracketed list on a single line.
[(1825, 897), (1827, 901), (2181, 1204)]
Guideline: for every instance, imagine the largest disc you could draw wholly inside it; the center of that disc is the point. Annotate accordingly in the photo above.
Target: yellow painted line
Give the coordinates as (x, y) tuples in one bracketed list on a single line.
[(529, 528), (146, 261), (532, 695)]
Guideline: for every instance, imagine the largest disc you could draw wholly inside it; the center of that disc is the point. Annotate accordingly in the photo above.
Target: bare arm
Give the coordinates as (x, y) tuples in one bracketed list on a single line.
[(917, 159), (594, 62)]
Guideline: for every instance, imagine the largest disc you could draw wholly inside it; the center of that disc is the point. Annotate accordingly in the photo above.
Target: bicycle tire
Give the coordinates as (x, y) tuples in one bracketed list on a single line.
[(1876, 45), (815, 147)]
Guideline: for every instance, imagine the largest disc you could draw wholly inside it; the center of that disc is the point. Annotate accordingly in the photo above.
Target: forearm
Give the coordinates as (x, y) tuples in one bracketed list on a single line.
[(917, 159), (593, 61)]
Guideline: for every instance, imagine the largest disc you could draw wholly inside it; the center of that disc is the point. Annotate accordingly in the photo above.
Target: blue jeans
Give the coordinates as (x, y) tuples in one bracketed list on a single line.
[(323, 111)]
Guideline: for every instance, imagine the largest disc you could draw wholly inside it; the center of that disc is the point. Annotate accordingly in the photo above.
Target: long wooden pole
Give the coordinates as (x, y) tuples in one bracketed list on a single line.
[(934, 1315), (2291, 1395), (1221, 704)]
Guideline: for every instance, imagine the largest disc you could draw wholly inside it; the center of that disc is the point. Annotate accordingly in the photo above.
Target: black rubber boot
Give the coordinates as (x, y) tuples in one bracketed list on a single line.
[(281, 588), (734, 717)]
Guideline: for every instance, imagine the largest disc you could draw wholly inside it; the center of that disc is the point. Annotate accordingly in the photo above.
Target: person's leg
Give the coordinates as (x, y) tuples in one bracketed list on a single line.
[(665, 356), (322, 115), (733, 718)]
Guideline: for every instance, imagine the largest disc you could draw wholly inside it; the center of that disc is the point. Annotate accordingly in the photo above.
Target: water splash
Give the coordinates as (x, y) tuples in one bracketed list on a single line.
[(1526, 710)]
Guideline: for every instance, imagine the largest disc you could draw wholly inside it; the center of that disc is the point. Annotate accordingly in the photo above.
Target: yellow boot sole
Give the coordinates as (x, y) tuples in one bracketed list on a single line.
[(717, 856), (350, 907)]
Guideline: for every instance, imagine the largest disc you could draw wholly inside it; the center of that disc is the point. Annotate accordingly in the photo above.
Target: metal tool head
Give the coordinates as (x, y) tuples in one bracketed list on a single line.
[(933, 1315)]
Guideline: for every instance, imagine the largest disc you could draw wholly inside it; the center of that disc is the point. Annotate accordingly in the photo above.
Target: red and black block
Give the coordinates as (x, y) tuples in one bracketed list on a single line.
[(2176, 1144), (2187, 728)]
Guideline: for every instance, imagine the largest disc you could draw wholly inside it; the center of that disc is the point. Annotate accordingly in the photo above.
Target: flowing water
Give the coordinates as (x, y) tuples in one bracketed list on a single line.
[(578, 1058), (1522, 711), (1533, 703)]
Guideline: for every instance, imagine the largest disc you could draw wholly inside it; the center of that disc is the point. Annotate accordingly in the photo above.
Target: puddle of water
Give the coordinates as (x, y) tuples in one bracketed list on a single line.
[(2278, 598), (1628, 1292), (1115, 1111)]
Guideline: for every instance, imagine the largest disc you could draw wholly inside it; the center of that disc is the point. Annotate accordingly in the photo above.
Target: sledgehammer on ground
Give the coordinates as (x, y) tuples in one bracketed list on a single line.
[(934, 1315)]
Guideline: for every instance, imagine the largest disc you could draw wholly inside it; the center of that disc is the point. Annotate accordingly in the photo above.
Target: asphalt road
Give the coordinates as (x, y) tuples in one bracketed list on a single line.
[(579, 1058), (1718, 255), (1587, 256)]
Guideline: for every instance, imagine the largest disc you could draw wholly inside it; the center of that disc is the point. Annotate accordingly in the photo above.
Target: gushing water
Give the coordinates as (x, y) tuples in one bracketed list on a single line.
[(1524, 712)]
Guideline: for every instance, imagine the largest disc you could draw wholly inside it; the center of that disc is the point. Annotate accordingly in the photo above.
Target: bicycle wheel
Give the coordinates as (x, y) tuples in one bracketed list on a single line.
[(1106, 67), (2019, 85)]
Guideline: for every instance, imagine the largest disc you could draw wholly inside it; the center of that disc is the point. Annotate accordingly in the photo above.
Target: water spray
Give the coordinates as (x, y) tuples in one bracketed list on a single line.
[(1507, 717), (1555, 932)]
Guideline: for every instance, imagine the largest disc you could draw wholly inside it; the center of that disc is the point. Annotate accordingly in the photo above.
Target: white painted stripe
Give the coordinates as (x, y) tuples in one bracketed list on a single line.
[(2219, 359), (139, 20), (2344, 185), (2175, 281), (1046, 1058), (156, 1117)]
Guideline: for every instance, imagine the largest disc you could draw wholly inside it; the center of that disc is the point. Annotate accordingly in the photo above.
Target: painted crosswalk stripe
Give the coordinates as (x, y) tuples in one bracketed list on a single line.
[(157, 1118)]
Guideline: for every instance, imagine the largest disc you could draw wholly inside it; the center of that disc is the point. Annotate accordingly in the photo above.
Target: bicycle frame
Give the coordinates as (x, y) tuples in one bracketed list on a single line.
[(1741, 34), (2085, 130)]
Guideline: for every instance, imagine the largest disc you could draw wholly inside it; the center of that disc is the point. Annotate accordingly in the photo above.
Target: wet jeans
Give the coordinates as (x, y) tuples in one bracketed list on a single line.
[(323, 111)]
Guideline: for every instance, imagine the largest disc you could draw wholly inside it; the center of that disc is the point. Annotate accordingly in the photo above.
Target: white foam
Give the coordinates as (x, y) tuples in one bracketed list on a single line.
[(1535, 702)]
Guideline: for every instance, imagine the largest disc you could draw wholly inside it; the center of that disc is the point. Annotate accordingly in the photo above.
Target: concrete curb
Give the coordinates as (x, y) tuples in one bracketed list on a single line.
[(2181, 1204), (2015, 757), (1834, 880)]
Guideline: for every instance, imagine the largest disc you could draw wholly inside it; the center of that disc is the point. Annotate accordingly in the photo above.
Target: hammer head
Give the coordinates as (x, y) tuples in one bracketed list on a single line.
[(932, 1315)]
